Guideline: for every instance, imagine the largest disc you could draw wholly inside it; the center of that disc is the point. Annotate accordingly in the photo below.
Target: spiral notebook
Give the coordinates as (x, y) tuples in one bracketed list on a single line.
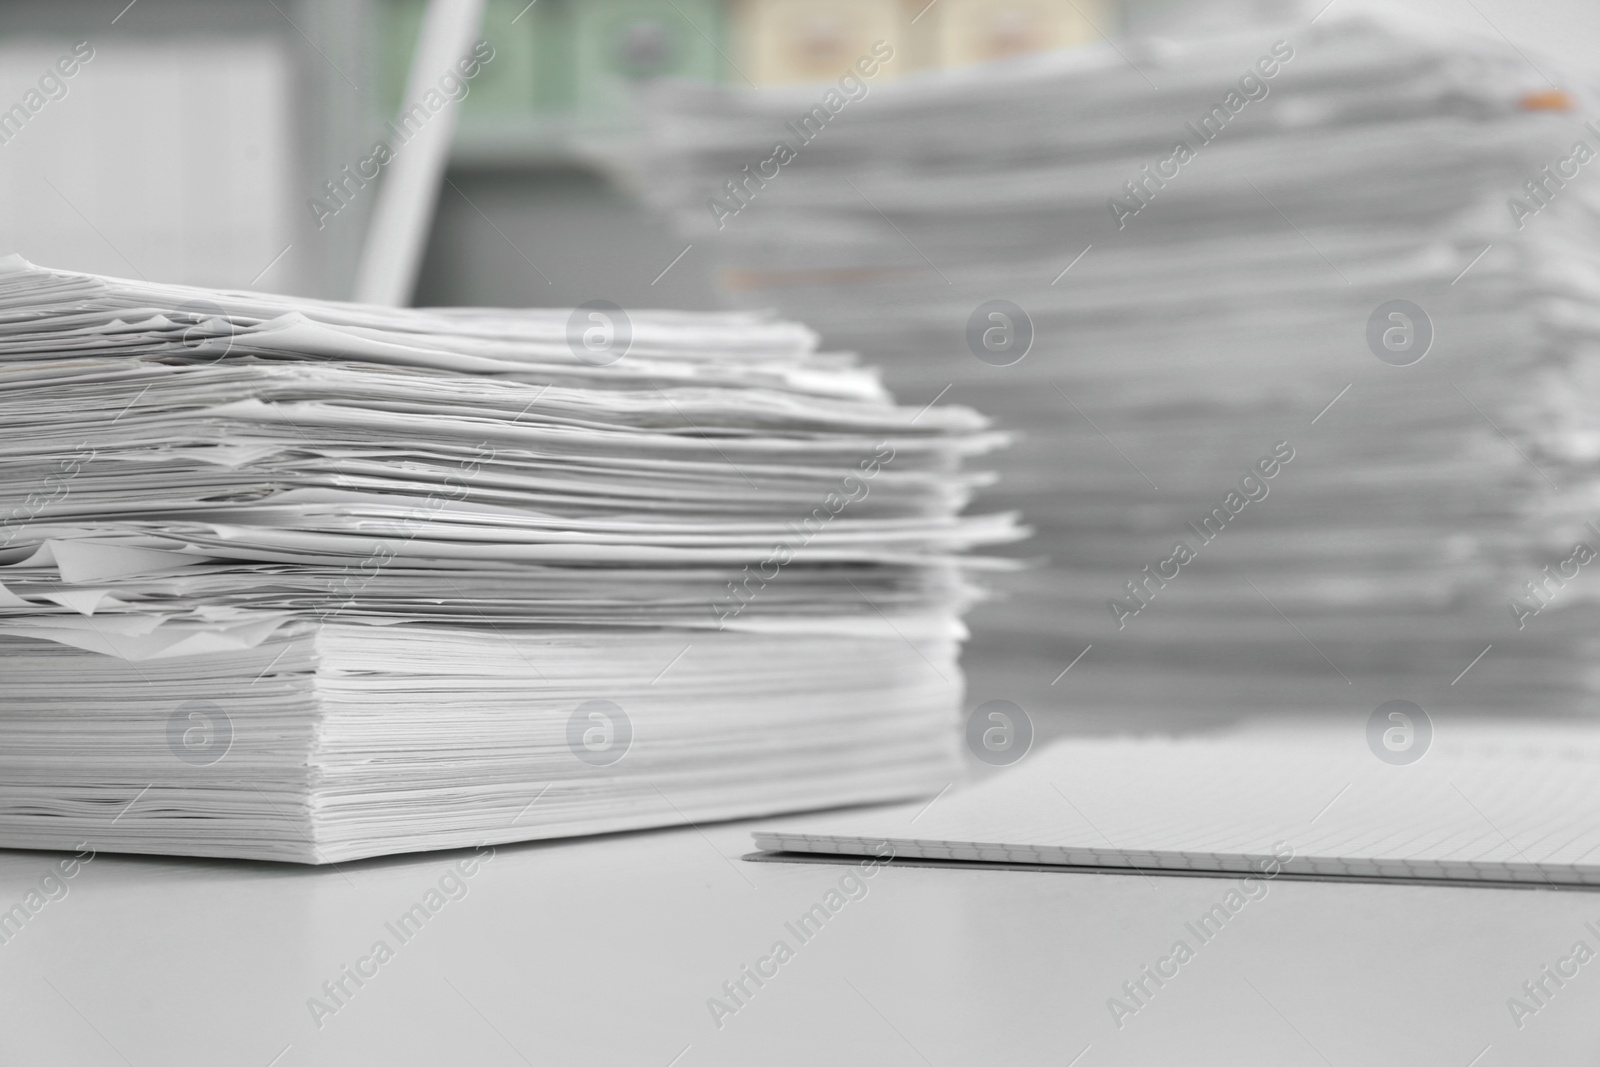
[(1490, 803)]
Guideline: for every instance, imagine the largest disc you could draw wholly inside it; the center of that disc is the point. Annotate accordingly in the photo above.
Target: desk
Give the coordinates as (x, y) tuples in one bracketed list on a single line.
[(605, 951)]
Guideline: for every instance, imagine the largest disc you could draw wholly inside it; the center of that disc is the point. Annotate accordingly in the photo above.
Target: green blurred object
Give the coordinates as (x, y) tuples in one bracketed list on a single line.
[(560, 88), (564, 71), (505, 86), (618, 43)]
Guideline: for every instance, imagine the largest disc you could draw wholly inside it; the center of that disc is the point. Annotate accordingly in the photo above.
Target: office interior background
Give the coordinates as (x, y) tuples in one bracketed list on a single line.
[(199, 135)]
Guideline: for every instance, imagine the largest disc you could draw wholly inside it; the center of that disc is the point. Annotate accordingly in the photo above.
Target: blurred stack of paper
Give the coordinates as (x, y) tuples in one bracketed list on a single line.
[(1202, 239), (309, 581)]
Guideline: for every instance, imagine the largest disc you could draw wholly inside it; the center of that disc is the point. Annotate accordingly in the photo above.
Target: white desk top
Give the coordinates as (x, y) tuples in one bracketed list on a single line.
[(605, 951)]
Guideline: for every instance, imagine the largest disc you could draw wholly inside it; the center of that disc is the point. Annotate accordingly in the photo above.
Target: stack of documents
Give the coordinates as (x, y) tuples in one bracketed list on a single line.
[(311, 581), (1295, 320)]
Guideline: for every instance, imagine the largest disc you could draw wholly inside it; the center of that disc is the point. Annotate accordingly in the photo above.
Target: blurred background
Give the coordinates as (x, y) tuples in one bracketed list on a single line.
[(208, 143), (188, 148)]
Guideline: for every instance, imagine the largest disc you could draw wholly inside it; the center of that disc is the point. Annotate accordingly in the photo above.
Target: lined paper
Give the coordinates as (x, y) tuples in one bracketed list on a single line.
[(1497, 803)]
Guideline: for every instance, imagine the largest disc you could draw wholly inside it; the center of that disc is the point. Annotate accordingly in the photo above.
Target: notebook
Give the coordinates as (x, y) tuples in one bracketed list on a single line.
[(1503, 804)]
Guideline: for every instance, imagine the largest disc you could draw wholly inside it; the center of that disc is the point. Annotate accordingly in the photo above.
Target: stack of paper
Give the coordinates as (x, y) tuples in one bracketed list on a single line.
[(1174, 265), (309, 581)]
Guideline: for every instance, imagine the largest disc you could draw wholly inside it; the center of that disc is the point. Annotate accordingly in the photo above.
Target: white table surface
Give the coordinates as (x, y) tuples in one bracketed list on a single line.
[(605, 951)]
